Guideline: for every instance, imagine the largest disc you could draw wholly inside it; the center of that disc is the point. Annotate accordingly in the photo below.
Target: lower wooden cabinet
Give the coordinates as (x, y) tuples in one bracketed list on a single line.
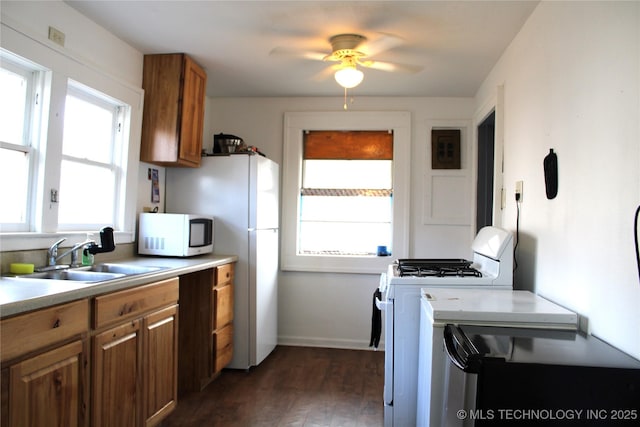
[(206, 326), (44, 358), (134, 380), (112, 360)]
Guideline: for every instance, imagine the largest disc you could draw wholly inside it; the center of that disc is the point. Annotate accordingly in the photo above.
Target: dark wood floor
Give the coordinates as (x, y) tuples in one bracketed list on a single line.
[(294, 386)]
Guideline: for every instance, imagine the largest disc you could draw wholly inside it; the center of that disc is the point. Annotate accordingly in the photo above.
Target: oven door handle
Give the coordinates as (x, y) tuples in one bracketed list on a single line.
[(382, 305)]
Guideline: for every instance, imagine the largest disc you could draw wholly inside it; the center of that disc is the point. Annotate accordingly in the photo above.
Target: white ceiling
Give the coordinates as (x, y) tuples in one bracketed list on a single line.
[(455, 42)]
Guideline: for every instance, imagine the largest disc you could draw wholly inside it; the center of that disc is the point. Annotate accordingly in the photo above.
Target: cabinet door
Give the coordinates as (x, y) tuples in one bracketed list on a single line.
[(223, 345), (223, 306), (160, 121), (116, 376), (160, 364), (192, 115), (46, 390)]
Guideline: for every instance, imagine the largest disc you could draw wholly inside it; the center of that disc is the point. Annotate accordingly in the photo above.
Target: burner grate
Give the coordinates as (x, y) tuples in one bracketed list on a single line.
[(436, 268)]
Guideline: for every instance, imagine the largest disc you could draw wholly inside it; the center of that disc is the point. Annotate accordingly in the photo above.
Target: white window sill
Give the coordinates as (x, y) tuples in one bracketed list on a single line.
[(333, 264), (32, 241)]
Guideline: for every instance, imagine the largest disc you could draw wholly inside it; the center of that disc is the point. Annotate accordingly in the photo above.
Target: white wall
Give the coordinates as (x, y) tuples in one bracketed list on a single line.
[(572, 83), (90, 43), (324, 309)]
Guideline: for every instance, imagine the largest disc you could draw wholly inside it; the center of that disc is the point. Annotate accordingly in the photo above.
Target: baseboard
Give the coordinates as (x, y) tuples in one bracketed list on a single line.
[(327, 343)]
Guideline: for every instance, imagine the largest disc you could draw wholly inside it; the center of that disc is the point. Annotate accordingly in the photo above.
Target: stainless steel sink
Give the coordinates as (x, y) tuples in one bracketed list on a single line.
[(74, 275), (126, 269), (95, 273)]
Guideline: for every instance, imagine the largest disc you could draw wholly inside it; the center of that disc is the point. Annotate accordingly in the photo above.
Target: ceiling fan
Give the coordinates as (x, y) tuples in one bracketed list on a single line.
[(351, 51)]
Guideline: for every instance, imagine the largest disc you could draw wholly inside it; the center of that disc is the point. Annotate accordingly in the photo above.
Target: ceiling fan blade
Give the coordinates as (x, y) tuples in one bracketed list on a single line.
[(326, 73), (391, 66), (295, 53), (383, 43)]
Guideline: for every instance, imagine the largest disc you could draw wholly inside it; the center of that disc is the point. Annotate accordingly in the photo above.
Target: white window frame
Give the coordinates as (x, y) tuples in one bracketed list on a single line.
[(121, 111), (295, 123), (62, 66), (36, 77)]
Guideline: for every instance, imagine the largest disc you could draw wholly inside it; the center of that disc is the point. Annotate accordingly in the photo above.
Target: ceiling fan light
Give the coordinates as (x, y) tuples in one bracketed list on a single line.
[(349, 77)]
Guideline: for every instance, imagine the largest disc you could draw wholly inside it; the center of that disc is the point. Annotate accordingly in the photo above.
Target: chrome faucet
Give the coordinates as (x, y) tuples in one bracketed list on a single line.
[(74, 251), (107, 244), (52, 252)]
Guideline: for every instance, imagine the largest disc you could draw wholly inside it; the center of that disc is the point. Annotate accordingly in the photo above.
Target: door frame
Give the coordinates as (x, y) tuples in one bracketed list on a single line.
[(485, 167), (494, 103)]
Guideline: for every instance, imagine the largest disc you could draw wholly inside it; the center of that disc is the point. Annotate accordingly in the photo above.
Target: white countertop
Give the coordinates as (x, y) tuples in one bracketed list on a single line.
[(19, 296)]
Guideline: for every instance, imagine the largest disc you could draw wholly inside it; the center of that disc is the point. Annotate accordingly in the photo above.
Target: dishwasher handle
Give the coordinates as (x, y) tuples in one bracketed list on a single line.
[(459, 348)]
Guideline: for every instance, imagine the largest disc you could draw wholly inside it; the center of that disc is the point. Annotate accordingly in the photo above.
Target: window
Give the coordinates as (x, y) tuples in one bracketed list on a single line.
[(346, 196), (90, 168), (19, 110), (339, 201), (68, 147)]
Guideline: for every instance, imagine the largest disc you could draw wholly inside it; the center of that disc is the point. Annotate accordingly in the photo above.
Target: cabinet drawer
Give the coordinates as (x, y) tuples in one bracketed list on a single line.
[(118, 306), (223, 345), (222, 306), (28, 332), (224, 274)]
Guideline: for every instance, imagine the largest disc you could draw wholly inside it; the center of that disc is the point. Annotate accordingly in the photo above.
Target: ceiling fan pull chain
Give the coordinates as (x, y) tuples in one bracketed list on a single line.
[(345, 98), (351, 100)]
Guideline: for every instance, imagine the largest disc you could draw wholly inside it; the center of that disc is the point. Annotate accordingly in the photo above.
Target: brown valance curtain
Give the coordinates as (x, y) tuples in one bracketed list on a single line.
[(348, 145)]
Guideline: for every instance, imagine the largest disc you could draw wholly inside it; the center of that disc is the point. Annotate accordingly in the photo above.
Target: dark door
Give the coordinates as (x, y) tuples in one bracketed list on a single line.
[(484, 193)]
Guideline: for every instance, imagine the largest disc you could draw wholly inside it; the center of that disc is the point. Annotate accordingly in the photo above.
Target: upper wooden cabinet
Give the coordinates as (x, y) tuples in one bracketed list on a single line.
[(172, 125)]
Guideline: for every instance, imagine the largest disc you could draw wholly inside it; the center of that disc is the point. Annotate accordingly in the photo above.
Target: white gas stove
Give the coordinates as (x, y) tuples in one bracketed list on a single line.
[(492, 264), (490, 268)]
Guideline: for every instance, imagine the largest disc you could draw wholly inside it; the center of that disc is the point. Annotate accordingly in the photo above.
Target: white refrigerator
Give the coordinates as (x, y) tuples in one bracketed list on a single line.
[(241, 191)]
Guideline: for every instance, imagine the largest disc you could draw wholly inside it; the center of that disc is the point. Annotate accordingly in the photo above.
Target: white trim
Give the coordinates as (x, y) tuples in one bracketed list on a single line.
[(319, 342), (294, 126)]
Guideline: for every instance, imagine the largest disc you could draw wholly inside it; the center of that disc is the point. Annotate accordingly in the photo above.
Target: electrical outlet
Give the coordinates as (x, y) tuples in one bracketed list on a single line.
[(519, 191), (56, 36)]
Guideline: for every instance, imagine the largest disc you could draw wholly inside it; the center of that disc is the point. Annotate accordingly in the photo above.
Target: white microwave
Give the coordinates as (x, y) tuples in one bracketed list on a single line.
[(170, 234)]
